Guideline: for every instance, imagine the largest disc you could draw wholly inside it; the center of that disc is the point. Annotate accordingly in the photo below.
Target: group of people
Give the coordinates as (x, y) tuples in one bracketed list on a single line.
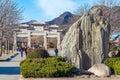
[(27, 49)]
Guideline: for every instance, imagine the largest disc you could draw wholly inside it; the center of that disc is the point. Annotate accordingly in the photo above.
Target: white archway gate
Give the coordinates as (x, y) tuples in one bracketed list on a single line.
[(52, 33)]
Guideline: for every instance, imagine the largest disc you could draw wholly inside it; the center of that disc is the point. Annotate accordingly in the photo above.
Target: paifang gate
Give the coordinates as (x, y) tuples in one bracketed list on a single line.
[(37, 29)]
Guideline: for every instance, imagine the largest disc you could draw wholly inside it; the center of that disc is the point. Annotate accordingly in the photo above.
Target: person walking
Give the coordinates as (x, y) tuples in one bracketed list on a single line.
[(22, 49), (56, 52), (27, 50), (3, 49)]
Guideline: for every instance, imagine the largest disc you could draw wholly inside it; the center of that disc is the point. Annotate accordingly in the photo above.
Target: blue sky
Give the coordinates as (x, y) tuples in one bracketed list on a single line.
[(45, 10)]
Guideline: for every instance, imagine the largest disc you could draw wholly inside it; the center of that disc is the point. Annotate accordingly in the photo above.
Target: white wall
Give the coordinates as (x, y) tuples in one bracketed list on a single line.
[(39, 28)]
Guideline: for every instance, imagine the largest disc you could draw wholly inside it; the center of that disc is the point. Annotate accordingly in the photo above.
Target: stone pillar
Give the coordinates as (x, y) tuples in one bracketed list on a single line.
[(58, 40), (15, 41), (45, 40), (29, 39)]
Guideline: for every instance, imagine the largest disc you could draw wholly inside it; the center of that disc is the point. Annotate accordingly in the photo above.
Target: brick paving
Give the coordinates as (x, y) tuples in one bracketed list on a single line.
[(75, 78), (4, 56)]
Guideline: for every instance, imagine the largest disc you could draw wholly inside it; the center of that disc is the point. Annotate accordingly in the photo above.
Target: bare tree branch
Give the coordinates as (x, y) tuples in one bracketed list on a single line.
[(82, 9), (10, 14), (108, 3)]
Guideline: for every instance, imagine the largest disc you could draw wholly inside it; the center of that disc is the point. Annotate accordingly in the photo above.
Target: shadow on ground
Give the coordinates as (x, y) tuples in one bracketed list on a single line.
[(10, 70), (10, 58)]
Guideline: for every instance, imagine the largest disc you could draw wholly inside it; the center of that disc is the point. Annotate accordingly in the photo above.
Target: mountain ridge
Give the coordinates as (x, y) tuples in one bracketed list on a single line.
[(63, 19)]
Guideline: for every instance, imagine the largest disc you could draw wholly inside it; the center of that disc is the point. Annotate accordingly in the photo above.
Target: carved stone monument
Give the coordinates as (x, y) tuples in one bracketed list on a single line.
[(86, 42)]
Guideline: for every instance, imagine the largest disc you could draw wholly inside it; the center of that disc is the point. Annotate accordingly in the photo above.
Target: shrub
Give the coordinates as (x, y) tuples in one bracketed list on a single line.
[(45, 67), (38, 53), (116, 68), (114, 64)]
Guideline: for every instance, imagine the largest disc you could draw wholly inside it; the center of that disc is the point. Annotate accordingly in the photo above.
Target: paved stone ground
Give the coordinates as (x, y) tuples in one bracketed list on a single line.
[(52, 53), (4, 56), (76, 78), (9, 67)]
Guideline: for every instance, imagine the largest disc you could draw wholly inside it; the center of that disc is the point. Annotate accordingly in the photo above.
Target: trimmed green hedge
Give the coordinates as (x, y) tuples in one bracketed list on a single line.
[(45, 67), (114, 63), (38, 53)]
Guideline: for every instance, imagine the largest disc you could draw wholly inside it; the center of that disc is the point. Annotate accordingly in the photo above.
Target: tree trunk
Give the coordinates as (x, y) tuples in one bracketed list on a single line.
[(8, 47), (1, 36), (0, 47)]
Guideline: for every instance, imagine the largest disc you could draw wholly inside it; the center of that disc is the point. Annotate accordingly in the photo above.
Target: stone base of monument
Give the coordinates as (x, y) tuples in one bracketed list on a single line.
[(100, 70)]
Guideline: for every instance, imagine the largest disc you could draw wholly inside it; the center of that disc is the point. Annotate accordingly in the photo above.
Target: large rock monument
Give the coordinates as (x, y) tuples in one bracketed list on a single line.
[(86, 42)]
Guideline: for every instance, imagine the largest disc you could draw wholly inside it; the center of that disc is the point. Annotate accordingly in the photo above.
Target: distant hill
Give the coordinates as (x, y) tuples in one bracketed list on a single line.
[(63, 19), (114, 15), (115, 18)]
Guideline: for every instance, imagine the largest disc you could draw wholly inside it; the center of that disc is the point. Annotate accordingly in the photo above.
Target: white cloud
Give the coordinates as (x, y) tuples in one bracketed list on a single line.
[(53, 8)]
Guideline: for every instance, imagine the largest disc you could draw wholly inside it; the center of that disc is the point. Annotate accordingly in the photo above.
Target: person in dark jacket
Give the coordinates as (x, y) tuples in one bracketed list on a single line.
[(56, 51)]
